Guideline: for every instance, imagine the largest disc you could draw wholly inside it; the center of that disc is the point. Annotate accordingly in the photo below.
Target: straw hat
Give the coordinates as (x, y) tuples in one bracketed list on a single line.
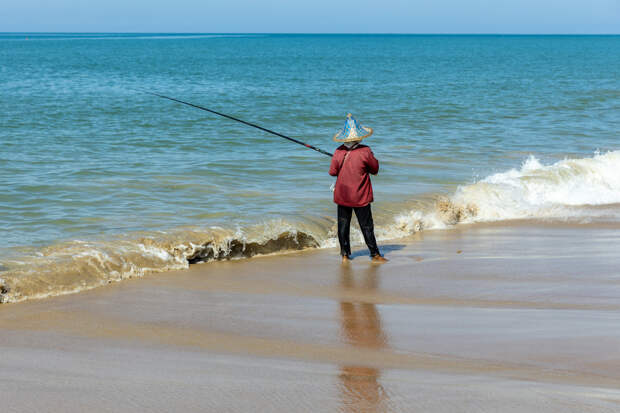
[(352, 131)]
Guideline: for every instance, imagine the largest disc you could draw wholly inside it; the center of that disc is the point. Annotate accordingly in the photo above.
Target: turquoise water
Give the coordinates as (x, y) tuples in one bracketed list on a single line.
[(86, 157)]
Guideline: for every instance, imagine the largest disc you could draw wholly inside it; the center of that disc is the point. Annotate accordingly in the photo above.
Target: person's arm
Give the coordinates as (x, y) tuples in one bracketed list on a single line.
[(372, 164), (334, 168)]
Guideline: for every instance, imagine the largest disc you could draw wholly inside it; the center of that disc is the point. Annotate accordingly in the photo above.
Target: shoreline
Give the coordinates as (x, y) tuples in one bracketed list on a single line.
[(522, 317), (105, 272), (567, 192)]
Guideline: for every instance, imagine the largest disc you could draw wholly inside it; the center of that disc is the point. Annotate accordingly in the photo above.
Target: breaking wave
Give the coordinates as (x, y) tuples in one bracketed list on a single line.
[(579, 190), (568, 189), (572, 190), (80, 265)]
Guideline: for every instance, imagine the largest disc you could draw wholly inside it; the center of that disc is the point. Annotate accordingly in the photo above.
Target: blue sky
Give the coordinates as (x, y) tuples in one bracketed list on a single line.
[(317, 16)]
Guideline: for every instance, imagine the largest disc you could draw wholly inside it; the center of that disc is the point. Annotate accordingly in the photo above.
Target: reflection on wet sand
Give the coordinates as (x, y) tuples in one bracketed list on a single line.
[(361, 327)]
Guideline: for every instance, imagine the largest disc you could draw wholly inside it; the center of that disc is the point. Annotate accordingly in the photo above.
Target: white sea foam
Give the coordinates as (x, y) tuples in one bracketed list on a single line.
[(581, 190), (545, 191)]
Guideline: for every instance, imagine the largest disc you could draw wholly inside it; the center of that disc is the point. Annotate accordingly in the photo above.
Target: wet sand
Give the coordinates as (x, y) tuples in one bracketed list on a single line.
[(517, 318)]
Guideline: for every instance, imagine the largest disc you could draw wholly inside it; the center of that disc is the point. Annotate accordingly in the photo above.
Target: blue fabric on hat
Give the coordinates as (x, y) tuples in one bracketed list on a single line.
[(352, 129)]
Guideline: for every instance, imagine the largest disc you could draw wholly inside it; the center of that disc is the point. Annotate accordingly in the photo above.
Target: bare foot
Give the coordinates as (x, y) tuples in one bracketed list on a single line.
[(346, 259), (379, 259)]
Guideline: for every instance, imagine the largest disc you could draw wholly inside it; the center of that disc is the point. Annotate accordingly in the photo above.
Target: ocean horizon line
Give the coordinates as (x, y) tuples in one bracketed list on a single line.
[(308, 33)]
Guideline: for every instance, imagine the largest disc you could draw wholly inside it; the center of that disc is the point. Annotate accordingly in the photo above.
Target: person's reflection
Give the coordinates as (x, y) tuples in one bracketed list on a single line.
[(361, 327)]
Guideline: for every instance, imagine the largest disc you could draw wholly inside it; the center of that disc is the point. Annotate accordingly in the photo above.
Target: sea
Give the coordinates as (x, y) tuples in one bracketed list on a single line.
[(101, 181)]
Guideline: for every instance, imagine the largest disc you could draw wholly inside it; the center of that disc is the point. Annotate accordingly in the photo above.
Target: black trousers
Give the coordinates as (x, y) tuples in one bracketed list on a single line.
[(364, 217)]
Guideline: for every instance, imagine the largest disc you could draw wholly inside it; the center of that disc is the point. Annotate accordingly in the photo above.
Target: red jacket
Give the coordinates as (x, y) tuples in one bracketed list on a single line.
[(353, 187)]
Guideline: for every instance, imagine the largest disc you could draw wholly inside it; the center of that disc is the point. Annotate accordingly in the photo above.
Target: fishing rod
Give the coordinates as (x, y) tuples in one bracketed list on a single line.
[(241, 121)]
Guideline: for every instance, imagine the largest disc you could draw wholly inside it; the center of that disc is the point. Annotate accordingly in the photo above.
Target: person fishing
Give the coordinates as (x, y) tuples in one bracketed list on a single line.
[(351, 164)]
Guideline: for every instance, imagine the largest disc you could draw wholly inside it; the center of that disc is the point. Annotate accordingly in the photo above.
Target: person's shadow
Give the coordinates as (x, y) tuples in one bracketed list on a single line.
[(361, 327), (385, 249)]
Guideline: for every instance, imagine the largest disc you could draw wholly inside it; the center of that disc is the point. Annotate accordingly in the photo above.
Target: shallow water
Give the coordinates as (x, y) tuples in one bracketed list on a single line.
[(483, 122)]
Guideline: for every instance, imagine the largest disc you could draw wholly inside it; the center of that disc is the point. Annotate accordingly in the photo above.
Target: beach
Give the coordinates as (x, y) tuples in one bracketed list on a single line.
[(485, 317)]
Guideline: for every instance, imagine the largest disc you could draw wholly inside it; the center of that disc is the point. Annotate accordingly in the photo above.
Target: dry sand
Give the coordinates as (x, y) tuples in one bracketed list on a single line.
[(523, 318)]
